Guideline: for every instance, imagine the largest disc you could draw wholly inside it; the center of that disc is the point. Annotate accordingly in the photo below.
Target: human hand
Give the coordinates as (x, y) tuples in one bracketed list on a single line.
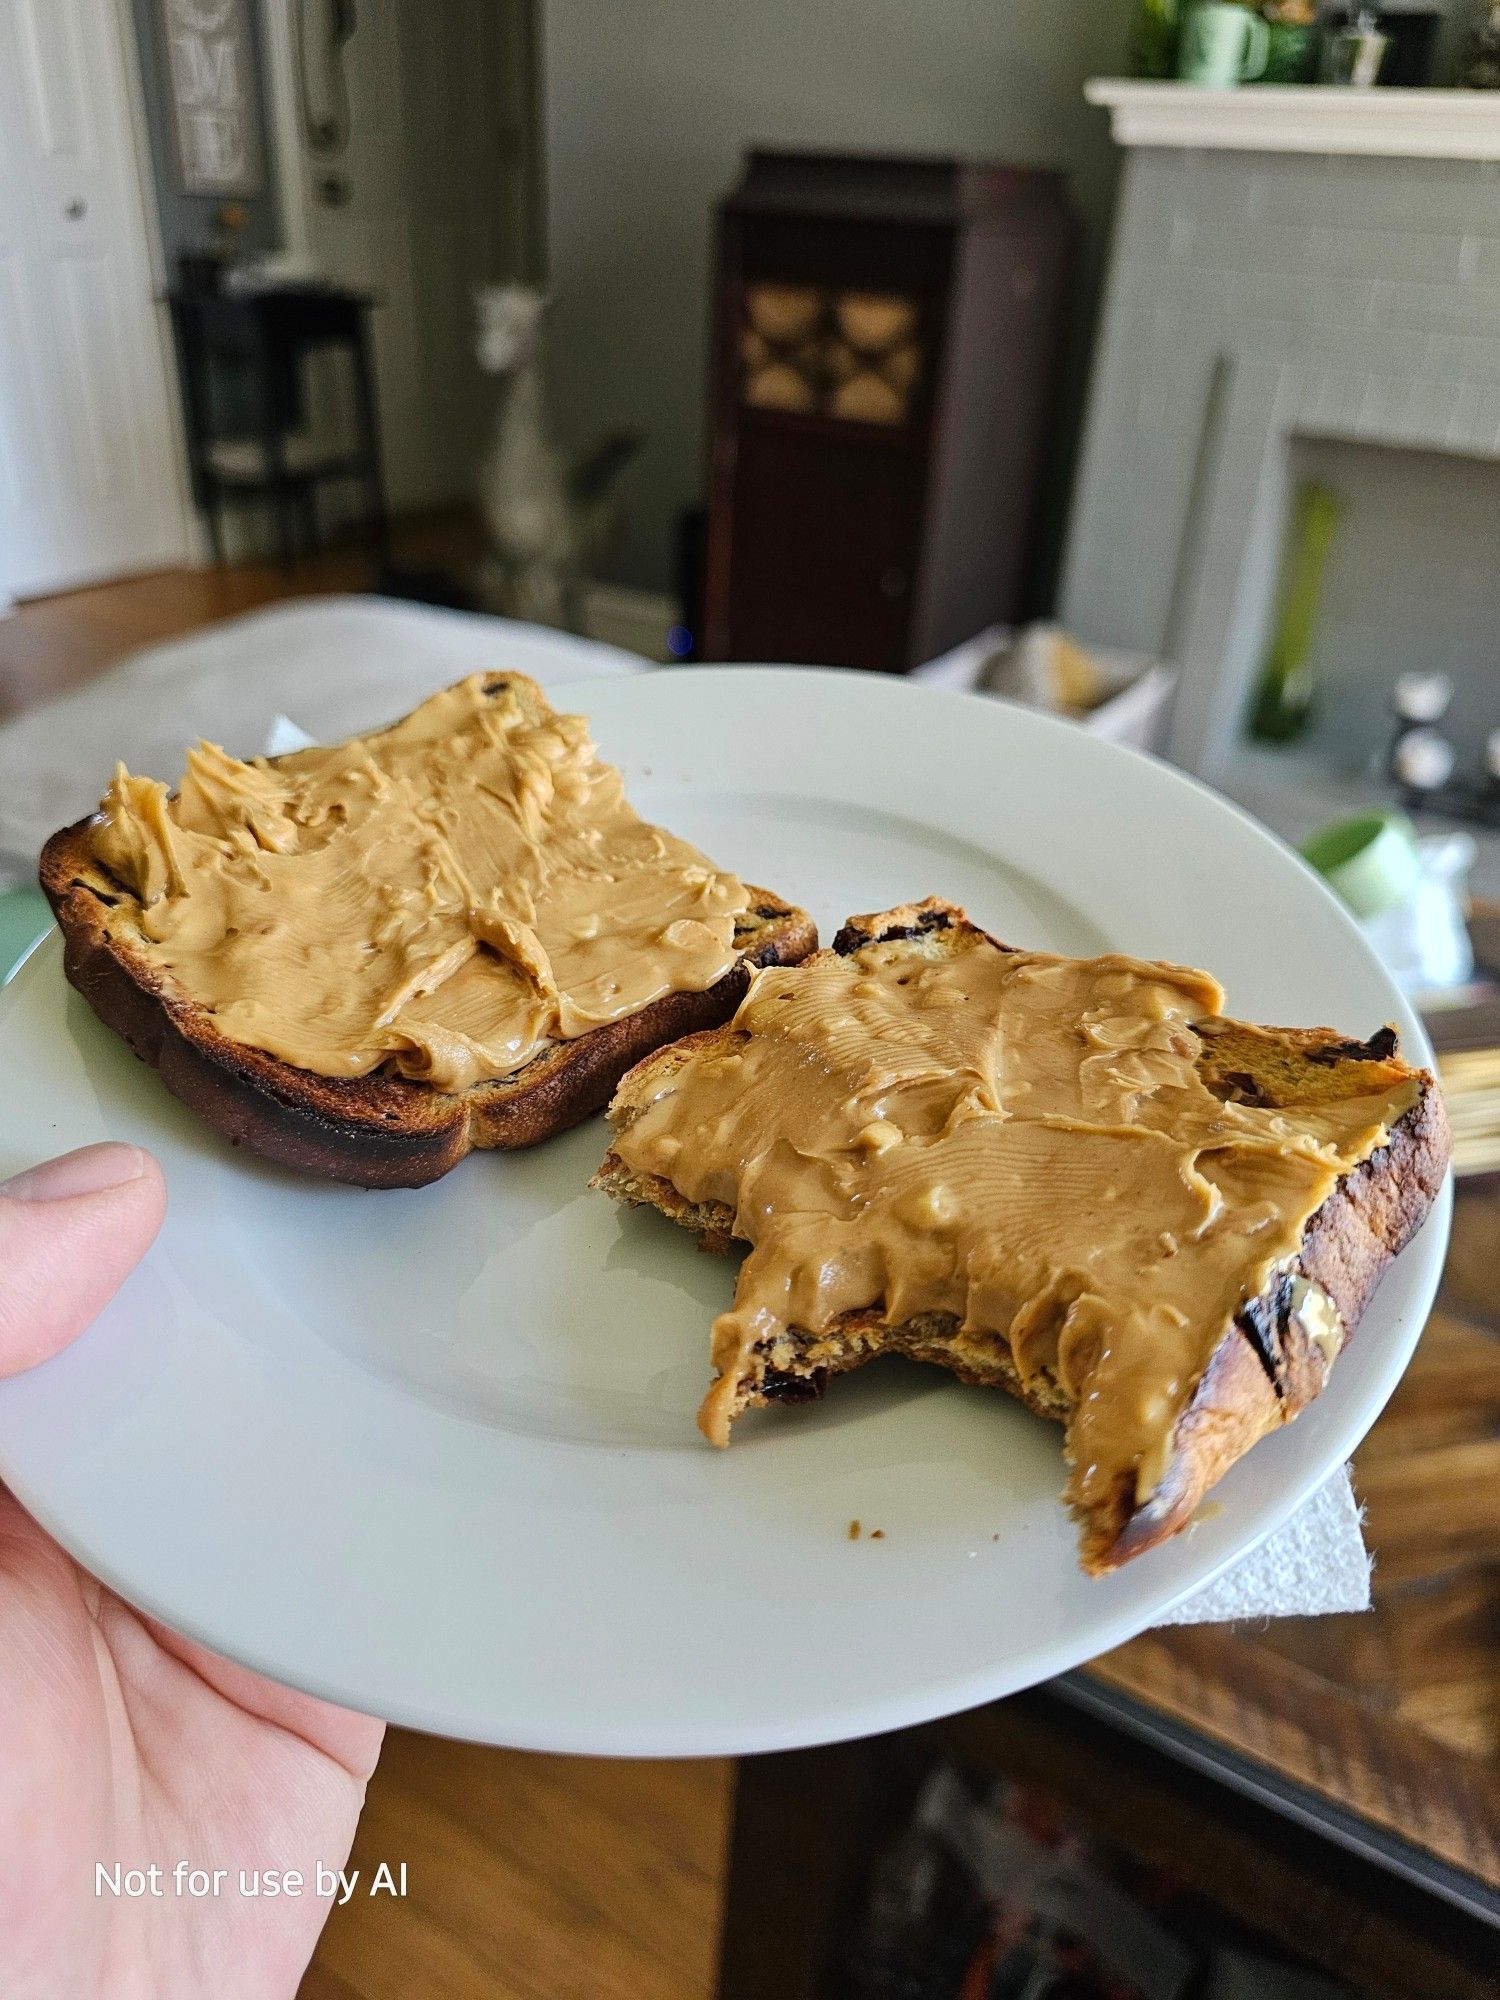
[(121, 1742)]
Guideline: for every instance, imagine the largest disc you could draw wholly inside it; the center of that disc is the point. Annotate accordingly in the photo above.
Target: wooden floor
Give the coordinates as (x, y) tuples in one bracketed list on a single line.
[(53, 643), (532, 1878)]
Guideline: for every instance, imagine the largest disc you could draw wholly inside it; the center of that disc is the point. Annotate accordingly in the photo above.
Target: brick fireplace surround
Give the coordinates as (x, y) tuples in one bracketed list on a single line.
[(1288, 268)]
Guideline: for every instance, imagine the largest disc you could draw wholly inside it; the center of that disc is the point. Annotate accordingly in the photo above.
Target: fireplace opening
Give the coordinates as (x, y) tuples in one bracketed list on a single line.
[(1411, 584)]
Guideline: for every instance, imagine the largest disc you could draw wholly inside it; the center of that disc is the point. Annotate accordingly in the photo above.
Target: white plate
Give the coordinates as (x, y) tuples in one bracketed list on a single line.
[(433, 1454)]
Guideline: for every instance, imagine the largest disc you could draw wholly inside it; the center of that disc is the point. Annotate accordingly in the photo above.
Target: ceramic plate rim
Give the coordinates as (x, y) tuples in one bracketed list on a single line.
[(915, 1699)]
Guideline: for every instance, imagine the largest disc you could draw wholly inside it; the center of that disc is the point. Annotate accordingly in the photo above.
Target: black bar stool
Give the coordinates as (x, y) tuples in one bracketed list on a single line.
[(241, 357)]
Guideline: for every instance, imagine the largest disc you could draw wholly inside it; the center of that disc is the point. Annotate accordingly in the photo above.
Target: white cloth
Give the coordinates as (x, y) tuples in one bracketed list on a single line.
[(339, 665), (1315, 1563)]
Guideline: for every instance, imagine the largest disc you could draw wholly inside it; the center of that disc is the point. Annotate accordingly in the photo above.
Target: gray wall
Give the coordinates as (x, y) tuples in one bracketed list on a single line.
[(648, 106), (187, 220), (1413, 582), (1257, 301)]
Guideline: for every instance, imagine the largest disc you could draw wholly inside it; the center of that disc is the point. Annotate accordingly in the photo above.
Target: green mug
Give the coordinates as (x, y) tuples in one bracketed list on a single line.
[(1222, 45)]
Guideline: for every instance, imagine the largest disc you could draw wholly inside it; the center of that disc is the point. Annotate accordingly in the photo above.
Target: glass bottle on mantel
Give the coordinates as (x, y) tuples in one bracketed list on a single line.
[(1285, 698), (1155, 31)]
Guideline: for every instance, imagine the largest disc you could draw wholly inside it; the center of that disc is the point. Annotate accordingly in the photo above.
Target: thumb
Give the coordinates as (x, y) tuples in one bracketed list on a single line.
[(71, 1231)]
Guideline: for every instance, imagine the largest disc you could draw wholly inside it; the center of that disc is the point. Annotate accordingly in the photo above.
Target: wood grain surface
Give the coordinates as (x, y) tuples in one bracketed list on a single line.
[(55, 643), (1396, 1714), (532, 1878), (1364, 1930)]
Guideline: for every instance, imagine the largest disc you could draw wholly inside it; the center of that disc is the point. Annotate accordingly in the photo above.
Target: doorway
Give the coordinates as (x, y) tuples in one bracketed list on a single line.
[(89, 484)]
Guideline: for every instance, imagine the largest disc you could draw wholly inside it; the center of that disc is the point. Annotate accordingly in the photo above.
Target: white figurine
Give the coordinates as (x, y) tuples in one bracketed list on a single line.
[(547, 521)]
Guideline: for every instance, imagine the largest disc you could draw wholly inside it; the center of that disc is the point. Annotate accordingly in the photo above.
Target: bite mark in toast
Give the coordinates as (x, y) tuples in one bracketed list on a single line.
[(1273, 1353)]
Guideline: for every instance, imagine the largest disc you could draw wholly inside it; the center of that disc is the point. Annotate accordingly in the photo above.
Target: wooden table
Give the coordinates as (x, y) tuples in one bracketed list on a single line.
[(1384, 1730), (1333, 1781)]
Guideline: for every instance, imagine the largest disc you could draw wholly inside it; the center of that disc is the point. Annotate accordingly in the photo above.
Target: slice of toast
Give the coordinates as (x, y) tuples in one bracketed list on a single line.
[(380, 1129), (1260, 1364)]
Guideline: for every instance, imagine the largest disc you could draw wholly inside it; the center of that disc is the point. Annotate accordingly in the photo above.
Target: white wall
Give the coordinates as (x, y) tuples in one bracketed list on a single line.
[(437, 199), (648, 106)]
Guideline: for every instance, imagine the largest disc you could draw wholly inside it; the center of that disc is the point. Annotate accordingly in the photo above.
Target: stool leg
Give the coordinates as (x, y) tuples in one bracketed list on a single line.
[(307, 514), (283, 498), (211, 515), (285, 504), (368, 418)]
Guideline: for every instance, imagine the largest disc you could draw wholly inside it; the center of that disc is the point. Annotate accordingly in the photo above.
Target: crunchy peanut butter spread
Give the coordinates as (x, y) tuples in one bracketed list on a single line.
[(1021, 1141), (445, 896)]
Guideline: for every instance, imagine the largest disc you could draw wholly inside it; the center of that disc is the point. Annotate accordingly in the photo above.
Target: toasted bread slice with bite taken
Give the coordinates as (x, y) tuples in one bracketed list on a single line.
[(365, 960), (1071, 1179)]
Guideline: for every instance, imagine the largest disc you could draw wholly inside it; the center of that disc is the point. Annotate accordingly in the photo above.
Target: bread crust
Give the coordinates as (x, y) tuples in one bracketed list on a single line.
[(1368, 1219), (1267, 1366), (379, 1130)]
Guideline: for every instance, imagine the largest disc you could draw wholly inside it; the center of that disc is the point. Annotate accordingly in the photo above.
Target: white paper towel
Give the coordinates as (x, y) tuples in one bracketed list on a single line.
[(1314, 1564)]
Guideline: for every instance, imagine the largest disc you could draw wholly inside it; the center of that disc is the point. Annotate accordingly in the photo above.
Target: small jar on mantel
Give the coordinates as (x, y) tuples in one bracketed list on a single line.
[(1295, 42)]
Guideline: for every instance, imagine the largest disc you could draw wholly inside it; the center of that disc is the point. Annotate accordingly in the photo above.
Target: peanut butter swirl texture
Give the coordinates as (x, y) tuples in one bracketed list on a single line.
[(1021, 1141), (443, 898)]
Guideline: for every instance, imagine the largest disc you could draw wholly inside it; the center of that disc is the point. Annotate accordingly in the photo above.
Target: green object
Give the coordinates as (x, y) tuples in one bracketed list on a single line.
[(24, 917), (1222, 44), (1482, 57), (1292, 52), (1284, 700), (1370, 862), (1155, 33)]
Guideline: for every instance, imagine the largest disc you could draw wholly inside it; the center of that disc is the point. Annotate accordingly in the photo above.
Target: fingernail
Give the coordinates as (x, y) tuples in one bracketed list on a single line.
[(91, 1170)]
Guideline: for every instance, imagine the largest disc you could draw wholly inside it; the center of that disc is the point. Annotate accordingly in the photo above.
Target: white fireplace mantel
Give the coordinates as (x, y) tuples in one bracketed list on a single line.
[(1303, 118)]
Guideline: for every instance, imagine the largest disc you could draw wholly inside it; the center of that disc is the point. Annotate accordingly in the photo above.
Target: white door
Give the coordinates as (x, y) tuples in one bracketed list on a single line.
[(88, 452)]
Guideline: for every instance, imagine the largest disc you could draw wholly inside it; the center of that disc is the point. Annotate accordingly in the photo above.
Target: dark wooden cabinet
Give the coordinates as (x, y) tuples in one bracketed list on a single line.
[(886, 335)]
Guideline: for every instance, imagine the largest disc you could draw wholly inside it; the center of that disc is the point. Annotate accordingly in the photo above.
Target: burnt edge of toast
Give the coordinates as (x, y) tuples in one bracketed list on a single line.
[(911, 920), (380, 1130), (1265, 1369)]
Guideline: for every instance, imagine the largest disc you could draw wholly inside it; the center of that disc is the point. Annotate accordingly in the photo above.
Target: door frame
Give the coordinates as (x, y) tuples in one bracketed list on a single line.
[(139, 210), (141, 199)]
